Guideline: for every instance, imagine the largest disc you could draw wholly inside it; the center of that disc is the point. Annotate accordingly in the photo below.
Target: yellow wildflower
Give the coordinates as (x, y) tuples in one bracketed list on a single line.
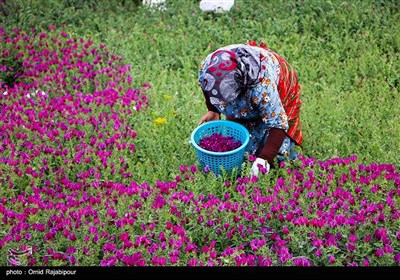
[(159, 121)]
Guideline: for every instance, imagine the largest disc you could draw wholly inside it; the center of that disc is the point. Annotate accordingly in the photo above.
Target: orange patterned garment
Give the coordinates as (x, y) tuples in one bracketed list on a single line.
[(289, 92)]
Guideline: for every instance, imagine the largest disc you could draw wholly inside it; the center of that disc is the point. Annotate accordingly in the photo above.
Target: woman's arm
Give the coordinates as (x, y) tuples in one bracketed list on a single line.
[(272, 145), (210, 107)]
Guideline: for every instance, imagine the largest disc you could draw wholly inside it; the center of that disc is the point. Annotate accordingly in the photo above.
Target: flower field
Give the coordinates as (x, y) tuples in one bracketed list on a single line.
[(95, 169)]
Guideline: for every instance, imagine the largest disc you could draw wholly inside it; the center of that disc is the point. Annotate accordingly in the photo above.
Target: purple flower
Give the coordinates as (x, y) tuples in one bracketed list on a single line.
[(351, 247), (396, 258), (173, 259), (192, 262), (301, 262), (193, 168), (217, 142), (159, 202), (379, 252), (158, 261)]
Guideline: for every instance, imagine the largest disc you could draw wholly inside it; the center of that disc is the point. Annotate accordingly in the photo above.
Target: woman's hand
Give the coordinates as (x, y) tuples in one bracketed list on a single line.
[(259, 165), (210, 116)]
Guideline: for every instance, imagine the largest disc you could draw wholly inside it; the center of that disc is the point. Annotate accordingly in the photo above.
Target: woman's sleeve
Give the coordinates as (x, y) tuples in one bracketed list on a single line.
[(272, 145), (269, 105), (210, 107)]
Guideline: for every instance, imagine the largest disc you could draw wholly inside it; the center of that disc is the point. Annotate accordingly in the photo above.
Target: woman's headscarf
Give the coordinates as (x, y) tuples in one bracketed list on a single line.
[(231, 72)]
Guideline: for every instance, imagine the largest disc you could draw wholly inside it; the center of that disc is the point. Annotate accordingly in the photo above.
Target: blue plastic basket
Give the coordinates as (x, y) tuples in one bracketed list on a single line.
[(219, 161)]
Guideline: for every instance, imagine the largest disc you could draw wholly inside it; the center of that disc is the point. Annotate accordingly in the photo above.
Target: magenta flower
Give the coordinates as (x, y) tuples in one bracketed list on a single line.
[(351, 247), (109, 261), (301, 262), (192, 262), (183, 168), (159, 202), (124, 236), (193, 168), (109, 247), (173, 259), (158, 261), (217, 142), (379, 252), (252, 158)]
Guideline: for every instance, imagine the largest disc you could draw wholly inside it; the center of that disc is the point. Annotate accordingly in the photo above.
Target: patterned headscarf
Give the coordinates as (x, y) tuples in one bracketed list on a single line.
[(230, 73)]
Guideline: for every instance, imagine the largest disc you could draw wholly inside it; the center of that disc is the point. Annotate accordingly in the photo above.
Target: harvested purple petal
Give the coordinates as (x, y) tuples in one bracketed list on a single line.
[(219, 143)]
